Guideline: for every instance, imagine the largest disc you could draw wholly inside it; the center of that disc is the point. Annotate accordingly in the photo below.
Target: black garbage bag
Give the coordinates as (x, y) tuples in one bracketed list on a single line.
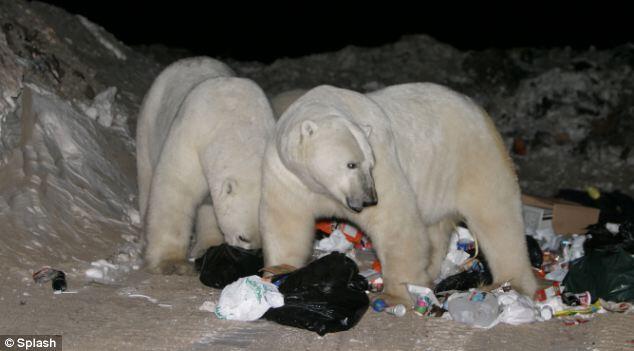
[(222, 265), (606, 274), (326, 296), (534, 252), (599, 238), (615, 206), (479, 273)]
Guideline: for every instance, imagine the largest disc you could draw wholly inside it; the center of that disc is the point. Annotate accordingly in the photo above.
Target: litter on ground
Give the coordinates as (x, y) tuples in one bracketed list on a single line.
[(580, 274)]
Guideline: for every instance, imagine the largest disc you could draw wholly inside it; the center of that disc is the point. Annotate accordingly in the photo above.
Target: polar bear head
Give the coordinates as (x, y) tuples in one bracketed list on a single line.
[(330, 154), (235, 203)]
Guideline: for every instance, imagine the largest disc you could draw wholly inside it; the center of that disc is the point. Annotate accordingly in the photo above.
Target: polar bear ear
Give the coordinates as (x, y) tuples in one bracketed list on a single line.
[(229, 186), (308, 128), (367, 130)]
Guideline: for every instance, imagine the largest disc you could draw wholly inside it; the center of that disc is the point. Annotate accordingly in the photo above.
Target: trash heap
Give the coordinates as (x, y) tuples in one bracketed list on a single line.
[(584, 264)]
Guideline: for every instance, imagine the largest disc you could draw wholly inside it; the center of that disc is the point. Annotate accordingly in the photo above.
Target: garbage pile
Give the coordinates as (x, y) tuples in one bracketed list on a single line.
[(581, 272), (326, 296)]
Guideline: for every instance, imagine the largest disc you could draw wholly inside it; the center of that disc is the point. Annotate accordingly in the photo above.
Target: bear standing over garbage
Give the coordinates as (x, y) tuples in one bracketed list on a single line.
[(201, 133), (404, 164)]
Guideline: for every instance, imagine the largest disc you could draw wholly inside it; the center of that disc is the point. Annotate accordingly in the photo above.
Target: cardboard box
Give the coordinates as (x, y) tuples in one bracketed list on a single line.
[(567, 217), (279, 269)]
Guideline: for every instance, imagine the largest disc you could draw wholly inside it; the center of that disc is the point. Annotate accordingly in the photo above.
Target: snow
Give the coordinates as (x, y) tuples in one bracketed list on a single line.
[(97, 32), (64, 194), (102, 107)]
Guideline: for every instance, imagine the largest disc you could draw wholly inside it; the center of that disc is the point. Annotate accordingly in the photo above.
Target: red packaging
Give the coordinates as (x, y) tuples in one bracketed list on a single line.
[(545, 294)]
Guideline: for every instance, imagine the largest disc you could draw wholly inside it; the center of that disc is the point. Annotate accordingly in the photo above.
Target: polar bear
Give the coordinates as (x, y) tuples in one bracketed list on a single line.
[(283, 100), (201, 133), (404, 164)]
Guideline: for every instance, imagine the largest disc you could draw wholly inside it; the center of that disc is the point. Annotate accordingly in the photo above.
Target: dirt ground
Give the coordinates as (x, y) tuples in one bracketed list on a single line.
[(107, 317)]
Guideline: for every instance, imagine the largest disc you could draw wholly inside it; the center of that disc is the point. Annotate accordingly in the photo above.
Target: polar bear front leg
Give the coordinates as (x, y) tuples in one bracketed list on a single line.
[(399, 238), (207, 231), (288, 232), (171, 209)]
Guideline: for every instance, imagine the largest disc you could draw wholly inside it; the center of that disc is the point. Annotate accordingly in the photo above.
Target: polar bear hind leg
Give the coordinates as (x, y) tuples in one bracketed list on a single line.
[(178, 187), (439, 234), (492, 210)]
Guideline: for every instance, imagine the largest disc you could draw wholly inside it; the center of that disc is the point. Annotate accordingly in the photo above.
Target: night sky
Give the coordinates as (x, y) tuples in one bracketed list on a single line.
[(243, 31)]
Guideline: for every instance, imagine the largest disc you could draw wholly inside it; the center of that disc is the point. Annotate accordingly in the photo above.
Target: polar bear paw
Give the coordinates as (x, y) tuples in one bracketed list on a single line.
[(172, 267)]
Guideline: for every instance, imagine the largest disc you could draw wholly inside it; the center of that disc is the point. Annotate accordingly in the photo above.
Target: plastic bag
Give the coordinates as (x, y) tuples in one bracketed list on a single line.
[(326, 296), (535, 253), (516, 308), (476, 308), (605, 274), (478, 275), (602, 239), (335, 242), (247, 299), (224, 264)]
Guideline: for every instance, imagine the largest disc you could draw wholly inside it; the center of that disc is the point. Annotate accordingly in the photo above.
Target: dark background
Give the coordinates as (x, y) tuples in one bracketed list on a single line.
[(266, 31)]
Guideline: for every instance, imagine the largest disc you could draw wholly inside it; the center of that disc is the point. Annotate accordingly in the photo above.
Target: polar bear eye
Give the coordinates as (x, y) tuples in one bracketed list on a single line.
[(352, 165)]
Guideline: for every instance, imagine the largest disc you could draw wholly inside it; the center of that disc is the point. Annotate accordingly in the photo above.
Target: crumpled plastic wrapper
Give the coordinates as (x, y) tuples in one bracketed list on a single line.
[(455, 257), (336, 241)]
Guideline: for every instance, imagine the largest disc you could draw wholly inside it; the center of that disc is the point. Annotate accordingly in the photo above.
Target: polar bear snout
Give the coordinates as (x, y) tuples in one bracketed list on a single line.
[(369, 190), (372, 200), (243, 240), (366, 198)]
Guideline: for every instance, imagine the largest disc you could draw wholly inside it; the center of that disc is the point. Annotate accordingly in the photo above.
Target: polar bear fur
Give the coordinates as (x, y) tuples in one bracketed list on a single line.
[(201, 133), (281, 101), (434, 156)]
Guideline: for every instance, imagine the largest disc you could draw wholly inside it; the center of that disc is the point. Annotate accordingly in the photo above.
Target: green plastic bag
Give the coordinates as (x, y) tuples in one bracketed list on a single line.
[(606, 274)]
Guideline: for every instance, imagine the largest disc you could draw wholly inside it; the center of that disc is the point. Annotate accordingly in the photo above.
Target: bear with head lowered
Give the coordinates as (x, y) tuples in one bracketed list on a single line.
[(200, 135), (404, 164)]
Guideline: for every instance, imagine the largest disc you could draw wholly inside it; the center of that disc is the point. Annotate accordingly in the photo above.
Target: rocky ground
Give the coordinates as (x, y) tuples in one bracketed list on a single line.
[(69, 96)]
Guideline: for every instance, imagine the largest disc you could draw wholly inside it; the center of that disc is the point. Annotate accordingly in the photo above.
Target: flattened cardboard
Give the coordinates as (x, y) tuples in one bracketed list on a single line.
[(279, 269), (567, 217)]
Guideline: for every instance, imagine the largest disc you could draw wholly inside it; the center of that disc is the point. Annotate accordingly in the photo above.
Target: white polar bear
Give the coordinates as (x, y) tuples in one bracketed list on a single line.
[(281, 101), (201, 132), (428, 155)]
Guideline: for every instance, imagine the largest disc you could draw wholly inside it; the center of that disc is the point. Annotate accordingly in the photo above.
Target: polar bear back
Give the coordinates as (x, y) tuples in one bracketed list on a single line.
[(329, 100), (159, 110), (439, 133), (227, 121), (167, 94)]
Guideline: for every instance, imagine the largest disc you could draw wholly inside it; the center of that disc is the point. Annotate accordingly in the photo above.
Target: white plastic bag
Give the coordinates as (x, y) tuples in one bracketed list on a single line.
[(452, 264), (247, 299), (416, 290), (336, 241), (476, 308), (516, 308)]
